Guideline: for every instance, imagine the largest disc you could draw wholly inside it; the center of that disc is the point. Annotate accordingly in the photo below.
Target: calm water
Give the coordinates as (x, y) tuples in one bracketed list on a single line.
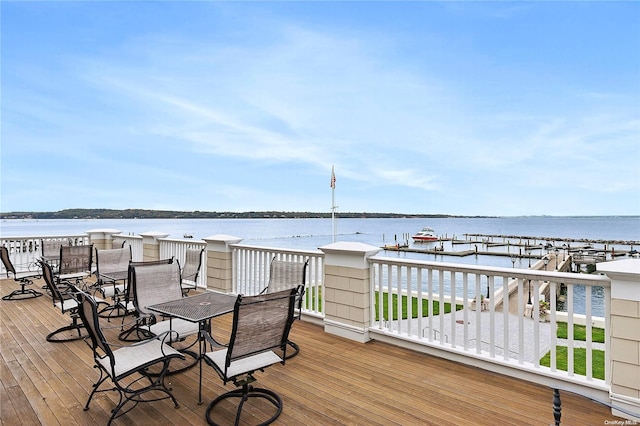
[(310, 234)]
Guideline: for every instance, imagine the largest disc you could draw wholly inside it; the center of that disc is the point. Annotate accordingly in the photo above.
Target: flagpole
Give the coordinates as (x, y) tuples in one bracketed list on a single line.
[(333, 205)]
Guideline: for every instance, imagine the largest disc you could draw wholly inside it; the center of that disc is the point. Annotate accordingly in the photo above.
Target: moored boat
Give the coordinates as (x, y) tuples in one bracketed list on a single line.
[(426, 234)]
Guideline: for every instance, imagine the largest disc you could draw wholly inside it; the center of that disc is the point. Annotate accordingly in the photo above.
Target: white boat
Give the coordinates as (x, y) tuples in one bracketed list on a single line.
[(426, 234)]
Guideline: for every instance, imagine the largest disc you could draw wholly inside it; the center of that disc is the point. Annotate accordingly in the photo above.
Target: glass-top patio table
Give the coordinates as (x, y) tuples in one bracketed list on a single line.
[(199, 308)]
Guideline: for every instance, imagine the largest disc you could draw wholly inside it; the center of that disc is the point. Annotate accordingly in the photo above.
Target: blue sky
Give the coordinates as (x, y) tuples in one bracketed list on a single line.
[(464, 108)]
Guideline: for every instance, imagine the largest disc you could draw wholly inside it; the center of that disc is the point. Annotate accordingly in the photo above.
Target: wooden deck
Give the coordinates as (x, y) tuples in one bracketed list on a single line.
[(333, 381)]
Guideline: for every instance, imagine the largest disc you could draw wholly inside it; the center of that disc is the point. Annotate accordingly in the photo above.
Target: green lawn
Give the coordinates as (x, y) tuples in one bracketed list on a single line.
[(414, 307), (311, 294), (579, 361), (580, 332), (579, 354)]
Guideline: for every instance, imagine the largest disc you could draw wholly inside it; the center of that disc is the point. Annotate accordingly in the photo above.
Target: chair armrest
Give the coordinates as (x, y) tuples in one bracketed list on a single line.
[(213, 342)]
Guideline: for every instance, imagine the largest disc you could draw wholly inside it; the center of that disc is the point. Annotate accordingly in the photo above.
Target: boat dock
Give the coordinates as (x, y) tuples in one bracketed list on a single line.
[(459, 253), (582, 251), (552, 239)]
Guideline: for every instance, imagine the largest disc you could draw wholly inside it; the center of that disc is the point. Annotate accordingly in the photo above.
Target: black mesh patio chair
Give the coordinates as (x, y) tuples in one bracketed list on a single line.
[(127, 304), (126, 366), (261, 324), (112, 267), (75, 263), (24, 278), (154, 284), (286, 275), (191, 269), (63, 299), (50, 250)]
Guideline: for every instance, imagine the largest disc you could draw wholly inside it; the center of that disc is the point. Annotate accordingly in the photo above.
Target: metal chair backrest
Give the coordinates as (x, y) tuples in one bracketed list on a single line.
[(6, 261), (113, 260), (51, 248), (154, 283), (88, 311), (192, 264), (75, 259), (260, 323), (285, 275), (130, 295), (52, 285)]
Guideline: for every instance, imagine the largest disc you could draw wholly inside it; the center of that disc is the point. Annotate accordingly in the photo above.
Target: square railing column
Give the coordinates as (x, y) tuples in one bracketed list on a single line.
[(102, 238), (220, 262), (624, 320), (151, 245), (347, 290)]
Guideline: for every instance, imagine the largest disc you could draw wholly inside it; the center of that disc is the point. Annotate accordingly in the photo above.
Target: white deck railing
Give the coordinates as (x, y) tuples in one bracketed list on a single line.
[(517, 336), (251, 272), (25, 252)]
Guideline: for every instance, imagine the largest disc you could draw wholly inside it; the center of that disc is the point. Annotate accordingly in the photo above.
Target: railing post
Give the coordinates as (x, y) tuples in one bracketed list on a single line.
[(347, 294), (220, 262), (102, 238), (624, 361), (151, 245)]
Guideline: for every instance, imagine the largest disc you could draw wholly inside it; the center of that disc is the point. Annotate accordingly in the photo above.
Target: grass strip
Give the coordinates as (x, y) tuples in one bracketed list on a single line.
[(414, 307), (580, 332), (579, 361)]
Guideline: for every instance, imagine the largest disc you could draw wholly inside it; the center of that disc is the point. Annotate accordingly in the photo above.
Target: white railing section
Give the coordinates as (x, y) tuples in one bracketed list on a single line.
[(133, 241), (25, 252), (250, 273), (502, 328), (178, 249)]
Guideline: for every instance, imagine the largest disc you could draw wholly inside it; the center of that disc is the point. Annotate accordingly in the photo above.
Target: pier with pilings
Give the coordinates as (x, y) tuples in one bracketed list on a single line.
[(582, 252)]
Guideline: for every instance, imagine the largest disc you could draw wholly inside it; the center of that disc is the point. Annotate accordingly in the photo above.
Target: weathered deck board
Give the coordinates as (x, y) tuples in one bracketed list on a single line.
[(333, 381)]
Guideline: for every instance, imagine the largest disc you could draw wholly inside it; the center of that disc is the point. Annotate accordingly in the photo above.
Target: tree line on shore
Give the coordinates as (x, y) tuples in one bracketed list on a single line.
[(172, 214)]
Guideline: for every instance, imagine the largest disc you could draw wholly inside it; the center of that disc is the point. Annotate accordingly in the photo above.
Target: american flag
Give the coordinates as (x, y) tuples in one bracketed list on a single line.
[(333, 178)]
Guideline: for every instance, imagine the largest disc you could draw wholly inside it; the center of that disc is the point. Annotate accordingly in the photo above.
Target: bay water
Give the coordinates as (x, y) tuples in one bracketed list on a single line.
[(309, 234)]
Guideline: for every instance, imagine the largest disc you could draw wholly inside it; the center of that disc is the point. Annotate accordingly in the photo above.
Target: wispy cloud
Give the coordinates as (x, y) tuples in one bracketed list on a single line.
[(441, 107)]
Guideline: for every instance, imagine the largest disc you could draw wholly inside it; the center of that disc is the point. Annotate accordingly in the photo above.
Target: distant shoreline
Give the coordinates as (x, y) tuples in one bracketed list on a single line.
[(173, 214), (176, 214)]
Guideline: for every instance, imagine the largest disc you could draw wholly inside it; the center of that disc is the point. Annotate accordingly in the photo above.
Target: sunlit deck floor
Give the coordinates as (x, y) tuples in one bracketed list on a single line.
[(333, 381)]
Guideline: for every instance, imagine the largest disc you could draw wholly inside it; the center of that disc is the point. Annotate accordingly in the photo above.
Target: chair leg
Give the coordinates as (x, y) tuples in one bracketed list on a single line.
[(135, 399), (135, 396), (139, 332), (102, 378), (295, 347), (23, 293), (75, 325), (128, 394), (244, 394), (108, 311)]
